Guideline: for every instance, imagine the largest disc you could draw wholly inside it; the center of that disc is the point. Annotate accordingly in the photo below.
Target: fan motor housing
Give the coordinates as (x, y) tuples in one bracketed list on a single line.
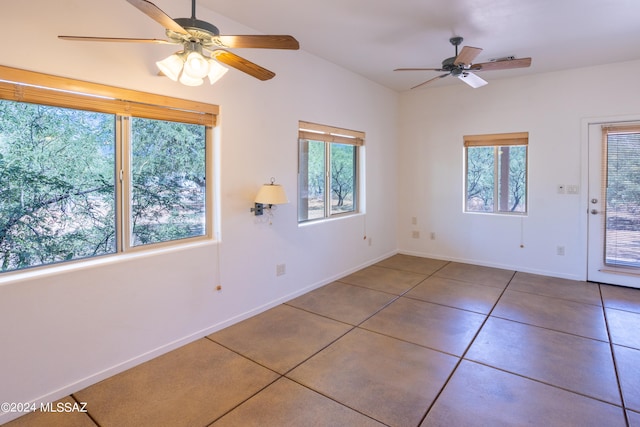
[(448, 64), (199, 31), (196, 24)]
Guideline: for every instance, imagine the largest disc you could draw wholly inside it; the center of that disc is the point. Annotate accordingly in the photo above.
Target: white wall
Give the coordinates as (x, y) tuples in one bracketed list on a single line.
[(68, 327), (553, 108)]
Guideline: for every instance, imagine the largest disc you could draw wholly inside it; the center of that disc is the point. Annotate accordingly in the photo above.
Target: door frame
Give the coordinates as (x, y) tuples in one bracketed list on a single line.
[(616, 279)]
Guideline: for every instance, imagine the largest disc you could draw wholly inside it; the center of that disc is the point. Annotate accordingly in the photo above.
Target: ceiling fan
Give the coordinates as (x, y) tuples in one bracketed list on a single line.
[(190, 66), (461, 65)]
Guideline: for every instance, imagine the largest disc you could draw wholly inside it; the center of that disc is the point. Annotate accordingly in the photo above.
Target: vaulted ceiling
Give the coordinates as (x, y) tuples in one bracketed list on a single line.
[(373, 37)]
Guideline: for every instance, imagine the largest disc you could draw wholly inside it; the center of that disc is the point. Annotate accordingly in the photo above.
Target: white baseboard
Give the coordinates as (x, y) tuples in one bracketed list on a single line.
[(495, 265)]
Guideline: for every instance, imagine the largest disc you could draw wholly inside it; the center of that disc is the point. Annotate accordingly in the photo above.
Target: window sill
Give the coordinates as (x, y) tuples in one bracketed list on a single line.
[(337, 217)]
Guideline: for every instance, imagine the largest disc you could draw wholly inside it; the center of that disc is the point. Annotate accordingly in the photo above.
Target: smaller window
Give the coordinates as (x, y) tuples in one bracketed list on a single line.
[(327, 171), (496, 173), (168, 185)]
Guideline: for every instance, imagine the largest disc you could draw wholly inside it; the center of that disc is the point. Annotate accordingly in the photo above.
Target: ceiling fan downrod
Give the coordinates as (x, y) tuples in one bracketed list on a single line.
[(456, 41)]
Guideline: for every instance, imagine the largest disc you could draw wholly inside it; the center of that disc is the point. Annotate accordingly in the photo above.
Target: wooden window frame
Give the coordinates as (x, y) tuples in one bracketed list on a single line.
[(330, 134), (496, 141), (44, 89)]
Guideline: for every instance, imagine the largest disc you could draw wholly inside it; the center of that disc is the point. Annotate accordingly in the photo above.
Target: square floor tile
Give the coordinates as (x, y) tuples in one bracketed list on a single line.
[(343, 302), (634, 418), (282, 337), (454, 293), (435, 326), (55, 419), (478, 274), (478, 395), (286, 403), (190, 386), (628, 361), (574, 290), (623, 326), (389, 380), (426, 266), (561, 315), (621, 298), (384, 279), (571, 362)]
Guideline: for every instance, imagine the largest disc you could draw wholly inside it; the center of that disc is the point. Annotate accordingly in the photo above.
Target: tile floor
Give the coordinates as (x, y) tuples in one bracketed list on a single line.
[(406, 342)]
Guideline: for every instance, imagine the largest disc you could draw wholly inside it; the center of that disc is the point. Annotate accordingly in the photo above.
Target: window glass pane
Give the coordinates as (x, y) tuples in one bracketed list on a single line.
[(167, 181), (343, 178), (480, 179), (311, 182), (57, 200), (512, 173), (622, 215)]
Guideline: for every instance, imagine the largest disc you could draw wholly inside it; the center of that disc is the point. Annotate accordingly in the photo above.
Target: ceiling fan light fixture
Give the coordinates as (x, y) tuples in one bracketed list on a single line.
[(196, 66), (172, 65), (187, 80), (216, 71)]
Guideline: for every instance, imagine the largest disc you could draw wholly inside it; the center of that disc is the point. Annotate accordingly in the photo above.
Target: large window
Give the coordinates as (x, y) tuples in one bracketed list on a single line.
[(92, 174), (496, 173), (327, 171)]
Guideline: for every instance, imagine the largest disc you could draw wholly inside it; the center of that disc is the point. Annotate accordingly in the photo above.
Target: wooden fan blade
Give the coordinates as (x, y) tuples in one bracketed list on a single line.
[(418, 69), (502, 65), (430, 80), (155, 13), (259, 42), (244, 65), (113, 39), (467, 55)]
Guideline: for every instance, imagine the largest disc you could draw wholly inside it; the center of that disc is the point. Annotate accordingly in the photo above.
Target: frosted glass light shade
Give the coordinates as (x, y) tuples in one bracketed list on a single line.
[(190, 67), (216, 71), (171, 66), (187, 80), (272, 194), (196, 66)]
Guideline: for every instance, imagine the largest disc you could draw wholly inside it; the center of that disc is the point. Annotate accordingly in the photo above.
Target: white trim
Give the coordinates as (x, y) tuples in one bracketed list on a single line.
[(495, 265)]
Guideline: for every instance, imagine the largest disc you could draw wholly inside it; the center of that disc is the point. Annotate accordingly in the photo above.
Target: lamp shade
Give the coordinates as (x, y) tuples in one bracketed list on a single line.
[(272, 194), (171, 66), (216, 71), (196, 66), (187, 80)]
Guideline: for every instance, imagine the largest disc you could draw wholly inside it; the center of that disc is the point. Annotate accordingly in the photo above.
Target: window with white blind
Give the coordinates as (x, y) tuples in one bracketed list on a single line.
[(496, 173), (90, 170), (327, 171), (622, 195)]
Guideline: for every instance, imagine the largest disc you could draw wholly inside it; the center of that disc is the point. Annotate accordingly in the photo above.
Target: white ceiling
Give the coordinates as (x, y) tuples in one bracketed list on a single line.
[(372, 37)]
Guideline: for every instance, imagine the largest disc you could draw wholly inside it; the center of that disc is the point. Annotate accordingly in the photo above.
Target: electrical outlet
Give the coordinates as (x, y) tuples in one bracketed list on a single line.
[(281, 269), (560, 250), (414, 220), (415, 234)]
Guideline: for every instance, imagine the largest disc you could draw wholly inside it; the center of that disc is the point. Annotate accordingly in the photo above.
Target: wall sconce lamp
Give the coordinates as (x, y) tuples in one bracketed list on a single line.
[(269, 195)]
